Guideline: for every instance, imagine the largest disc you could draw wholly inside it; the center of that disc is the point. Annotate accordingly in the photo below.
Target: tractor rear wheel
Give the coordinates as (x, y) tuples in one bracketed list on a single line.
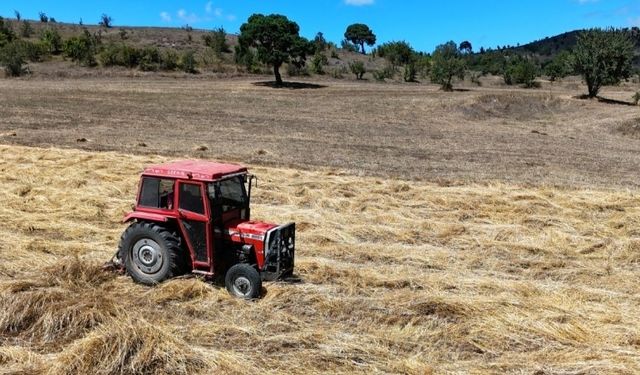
[(150, 253), (243, 281)]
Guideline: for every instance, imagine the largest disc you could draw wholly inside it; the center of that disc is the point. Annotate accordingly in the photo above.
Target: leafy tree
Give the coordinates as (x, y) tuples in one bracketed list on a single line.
[(447, 63), (357, 68), (217, 41), (466, 47), (320, 42), (105, 21), (276, 40), (603, 57), (396, 53), (246, 57), (43, 17), (82, 48), (560, 67), (52, 40), (360, 34), (410, 72), (26, 30)]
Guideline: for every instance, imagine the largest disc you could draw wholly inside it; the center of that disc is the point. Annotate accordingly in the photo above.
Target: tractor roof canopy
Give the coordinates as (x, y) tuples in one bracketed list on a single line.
[(194, 170)]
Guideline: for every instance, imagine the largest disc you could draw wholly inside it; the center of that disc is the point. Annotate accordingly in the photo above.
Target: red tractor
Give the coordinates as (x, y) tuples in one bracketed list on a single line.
[(194, 216)]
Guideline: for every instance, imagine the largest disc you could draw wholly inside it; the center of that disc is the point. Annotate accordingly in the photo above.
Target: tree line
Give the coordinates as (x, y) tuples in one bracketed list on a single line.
[(601, 56)]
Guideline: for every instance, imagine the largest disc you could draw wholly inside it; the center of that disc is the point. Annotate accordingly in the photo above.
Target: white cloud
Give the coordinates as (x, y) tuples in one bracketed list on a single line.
[(184, 16), (359, 3), (165, 16), (208, 7)]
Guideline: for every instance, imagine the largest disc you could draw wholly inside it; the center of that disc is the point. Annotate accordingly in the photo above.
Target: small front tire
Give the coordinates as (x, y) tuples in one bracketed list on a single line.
[(243, 281)]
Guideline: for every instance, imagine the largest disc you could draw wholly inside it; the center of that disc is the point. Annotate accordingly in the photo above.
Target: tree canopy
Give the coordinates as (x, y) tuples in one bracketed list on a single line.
[(447, 63), (276, 40), (360, 34)]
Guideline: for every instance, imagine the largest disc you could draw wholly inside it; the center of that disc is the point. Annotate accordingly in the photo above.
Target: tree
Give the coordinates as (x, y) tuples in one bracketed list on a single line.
[(318, 62), (466, 47), (6, 34), (357, 68), (81, 49), (13, 59), (18, 15), (521, 71), (43, 17), (447, 63), (105, 21), (217, 40), (603, 57), (276, 40), (360, 34), (320, 42), (396, 53)]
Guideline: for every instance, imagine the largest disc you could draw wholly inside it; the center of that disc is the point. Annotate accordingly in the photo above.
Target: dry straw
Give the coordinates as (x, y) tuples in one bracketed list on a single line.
[(398, 277)]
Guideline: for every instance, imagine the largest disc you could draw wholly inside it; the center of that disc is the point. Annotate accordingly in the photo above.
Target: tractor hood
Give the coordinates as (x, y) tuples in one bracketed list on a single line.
[(248, 231)]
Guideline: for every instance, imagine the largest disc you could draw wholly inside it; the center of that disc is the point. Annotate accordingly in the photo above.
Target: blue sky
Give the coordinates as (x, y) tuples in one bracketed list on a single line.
[(424, 24)]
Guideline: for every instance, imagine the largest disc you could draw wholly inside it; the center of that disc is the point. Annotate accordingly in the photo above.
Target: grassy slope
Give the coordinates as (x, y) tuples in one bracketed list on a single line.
[(397, 277)]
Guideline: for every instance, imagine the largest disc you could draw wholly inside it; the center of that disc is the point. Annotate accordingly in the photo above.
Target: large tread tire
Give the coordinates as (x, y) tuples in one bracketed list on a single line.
[(243, 281), (164, 253)]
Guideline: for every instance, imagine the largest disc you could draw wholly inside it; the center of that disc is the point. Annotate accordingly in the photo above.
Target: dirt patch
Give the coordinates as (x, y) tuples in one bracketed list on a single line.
[(509, 106)]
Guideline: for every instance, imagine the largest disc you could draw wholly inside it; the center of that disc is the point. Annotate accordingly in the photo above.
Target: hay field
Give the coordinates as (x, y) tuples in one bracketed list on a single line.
[(398, 277)]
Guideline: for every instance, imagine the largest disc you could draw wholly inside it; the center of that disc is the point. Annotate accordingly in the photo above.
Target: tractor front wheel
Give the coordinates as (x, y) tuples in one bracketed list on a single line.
[(243, 281), (151, 254)]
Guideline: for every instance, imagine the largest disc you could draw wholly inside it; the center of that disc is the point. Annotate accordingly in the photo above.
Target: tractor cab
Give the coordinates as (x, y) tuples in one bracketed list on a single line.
[(196, 216)]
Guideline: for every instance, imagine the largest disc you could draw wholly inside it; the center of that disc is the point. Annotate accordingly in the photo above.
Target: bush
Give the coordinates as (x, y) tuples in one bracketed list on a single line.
[(388, 72), (521, 71), (636, 98), (338, 73), (6, 34), (560, 67), (81, 49), (348, 46), (169, 60), (334, 54), (150, 59), (188, 62), (410, 73), (105, 21), (43, 17), (119, 55), (296, 70), (26, 30), (396, 53), (475, 78), (52, 40), (246, 57), (217, 41), (318, 62), (13, 60), (32, 51), (357, 68)]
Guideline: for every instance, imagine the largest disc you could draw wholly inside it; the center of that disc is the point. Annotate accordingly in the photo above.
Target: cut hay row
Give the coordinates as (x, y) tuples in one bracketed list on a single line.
[(398, 277)]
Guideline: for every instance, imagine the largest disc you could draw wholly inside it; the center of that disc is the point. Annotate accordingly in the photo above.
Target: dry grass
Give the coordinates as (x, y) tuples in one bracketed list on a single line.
[(398, 277), (544, 136)]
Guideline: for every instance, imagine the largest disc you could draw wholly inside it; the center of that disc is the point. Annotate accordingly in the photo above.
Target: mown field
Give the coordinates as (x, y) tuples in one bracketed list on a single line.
[(397, 277), (406, 131)]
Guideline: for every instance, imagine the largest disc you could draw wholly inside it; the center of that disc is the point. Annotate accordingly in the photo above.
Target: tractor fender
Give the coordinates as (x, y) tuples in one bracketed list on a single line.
[(144, 216)]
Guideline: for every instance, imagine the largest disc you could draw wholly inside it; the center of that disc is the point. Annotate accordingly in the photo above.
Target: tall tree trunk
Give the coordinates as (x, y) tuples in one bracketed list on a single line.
[(276, 72), (362, 46)]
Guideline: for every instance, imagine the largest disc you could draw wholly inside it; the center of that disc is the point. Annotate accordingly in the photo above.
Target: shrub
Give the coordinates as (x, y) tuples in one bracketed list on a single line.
[(318, 62), (396, 53), (149, 59), (13, 60), (52, 40), (338, 73), (169, 60), (357, 68), (521, 71), (560, 67), (120, 55), (188, 62), (475, 78), (388, 72), (6, 34), (81, 49), (348, 46), (410, 73), (43, 17), (246, 57), (636, 98), (26, 30), (294, 70), (217, 41), (32, 51), (334, 54)]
